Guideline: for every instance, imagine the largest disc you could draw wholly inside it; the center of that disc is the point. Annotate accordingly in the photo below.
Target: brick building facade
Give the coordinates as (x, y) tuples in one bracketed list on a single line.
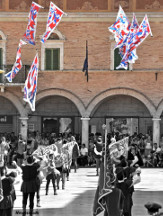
[(63, 94)]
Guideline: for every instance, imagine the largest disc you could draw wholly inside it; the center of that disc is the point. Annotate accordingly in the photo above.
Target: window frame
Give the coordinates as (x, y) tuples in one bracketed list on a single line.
[(3, 47), (52, 57), (112, 48), (52, 44)]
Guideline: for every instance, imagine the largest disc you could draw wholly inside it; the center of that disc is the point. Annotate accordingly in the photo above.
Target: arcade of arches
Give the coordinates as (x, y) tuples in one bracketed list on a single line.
[(58, 114)]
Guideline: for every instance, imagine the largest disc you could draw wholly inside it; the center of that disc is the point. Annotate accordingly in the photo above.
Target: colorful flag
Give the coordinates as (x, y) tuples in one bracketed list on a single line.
[(85, 66), (30, 33), (30, 87), (54, 17), (133, 29), (129, 36), (17, 65), (134, 40), (120, 28)]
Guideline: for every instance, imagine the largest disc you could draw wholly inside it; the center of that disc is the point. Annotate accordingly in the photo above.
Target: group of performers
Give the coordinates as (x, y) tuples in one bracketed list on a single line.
[(120, 169), (51, 163)]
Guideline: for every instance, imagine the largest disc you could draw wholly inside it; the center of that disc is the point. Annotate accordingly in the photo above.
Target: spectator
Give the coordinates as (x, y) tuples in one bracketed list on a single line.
[(83, 155), (75, 154)]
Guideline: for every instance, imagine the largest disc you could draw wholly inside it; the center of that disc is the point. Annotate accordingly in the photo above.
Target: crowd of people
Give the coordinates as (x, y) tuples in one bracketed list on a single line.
[(56, 165), (33, 161), (151, 153)]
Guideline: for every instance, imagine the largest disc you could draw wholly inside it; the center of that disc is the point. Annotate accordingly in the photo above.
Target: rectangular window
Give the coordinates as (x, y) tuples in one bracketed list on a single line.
[(52, 59), (117, 59)]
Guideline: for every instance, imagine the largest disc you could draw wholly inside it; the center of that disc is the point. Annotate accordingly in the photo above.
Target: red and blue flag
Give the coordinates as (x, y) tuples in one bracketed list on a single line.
[(54, 17), (134, 40), (120, 28), (30, 87), (30, 33), (17, 65), (129, 36)]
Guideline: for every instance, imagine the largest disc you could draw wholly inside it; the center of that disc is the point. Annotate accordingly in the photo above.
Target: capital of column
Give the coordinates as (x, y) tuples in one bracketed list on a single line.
[(23, 118), (156, 119), (85, 118)]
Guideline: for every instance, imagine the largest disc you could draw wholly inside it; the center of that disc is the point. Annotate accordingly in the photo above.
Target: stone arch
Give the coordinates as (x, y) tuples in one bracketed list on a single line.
[(60, 35), (159, 109), (4, 37), (15, 101), (64, 93), (120, 91)]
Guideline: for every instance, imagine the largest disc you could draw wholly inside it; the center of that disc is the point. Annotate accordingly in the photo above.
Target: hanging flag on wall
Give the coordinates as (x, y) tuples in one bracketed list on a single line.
[(129, 36), (85, 66), (30, 87), (54, 17), (17, 65), (30, 33)]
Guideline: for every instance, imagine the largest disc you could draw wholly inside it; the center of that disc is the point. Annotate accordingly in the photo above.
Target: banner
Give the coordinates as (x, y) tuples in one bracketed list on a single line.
[(105, 182), (54, 17), (129, 36), (30, 33), (119, 148), (17, 65), (30, 87)]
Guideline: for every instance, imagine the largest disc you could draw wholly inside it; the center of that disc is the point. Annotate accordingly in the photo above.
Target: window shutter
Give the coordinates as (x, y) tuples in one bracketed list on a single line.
[(1, 65), (56, 59), (117, 59), (48, 59)]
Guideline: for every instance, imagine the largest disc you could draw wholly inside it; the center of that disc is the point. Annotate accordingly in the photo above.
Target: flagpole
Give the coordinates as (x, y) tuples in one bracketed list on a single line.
[(105, 142)]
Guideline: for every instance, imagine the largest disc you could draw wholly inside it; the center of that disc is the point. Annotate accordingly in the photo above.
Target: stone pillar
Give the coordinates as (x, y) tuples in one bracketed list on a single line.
[(85, 131), (156, 130), (24, 127)]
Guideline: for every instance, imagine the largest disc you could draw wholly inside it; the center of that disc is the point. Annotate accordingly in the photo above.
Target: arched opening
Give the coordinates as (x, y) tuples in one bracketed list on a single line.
[(9, 117), (55, 114), (123, 114)]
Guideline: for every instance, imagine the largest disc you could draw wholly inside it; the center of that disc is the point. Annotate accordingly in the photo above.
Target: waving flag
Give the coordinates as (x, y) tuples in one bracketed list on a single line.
[(29, 35), (54, 17), (18, 64), (134, 40), (120, 28), (129, 36), (30, 87)]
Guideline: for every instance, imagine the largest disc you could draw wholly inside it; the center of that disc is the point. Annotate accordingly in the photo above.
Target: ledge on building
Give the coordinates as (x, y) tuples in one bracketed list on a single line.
[(3, 86)]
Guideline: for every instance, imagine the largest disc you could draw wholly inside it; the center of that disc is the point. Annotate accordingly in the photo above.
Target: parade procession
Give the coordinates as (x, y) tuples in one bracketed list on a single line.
[(81, 107)]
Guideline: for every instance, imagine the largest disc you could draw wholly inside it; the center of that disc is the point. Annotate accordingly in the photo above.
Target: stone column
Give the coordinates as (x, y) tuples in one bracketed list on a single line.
[(24, 127), (85, 131), (156, 130)]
